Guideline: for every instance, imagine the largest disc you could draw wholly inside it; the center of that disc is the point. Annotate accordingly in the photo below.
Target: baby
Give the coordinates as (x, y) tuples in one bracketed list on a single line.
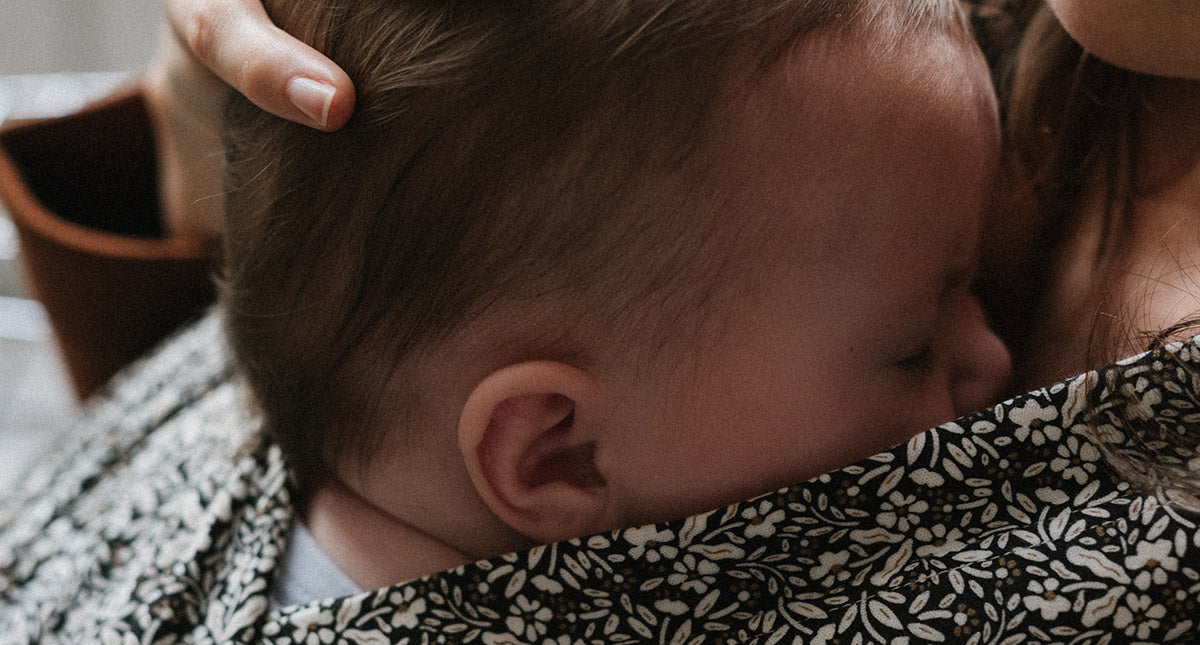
[(575, 266)]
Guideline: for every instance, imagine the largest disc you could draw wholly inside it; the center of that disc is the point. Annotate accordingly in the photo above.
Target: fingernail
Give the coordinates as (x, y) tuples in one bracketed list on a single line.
[(312, 98)]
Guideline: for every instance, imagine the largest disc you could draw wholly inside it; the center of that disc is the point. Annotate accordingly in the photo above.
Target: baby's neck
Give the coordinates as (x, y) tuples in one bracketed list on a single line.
[(374, 549)]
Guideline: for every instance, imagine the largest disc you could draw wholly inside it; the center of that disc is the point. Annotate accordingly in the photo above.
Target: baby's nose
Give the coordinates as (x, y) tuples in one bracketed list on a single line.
[(983, 366)]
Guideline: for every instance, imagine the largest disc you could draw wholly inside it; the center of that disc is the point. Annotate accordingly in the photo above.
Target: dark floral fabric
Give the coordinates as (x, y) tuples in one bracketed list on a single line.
[(165, 521)]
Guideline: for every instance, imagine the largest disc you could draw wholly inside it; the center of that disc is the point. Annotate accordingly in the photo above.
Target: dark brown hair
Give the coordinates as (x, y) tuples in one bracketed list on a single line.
[(533, 163), (1070, 123), (1073, 124)]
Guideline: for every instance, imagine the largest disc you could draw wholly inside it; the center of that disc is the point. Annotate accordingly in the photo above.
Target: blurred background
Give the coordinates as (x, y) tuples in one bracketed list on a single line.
[(55, 55), (50, 36)]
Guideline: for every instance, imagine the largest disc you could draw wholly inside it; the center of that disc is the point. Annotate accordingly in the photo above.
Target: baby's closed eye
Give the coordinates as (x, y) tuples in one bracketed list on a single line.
[(919, 361)]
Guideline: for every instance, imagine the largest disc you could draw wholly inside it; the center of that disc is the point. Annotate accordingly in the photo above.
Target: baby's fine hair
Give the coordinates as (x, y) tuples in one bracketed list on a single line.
[(530, 169)]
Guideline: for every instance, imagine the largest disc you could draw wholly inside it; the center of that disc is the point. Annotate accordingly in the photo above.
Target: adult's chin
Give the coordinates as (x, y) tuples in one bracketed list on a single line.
[(1159, 37)]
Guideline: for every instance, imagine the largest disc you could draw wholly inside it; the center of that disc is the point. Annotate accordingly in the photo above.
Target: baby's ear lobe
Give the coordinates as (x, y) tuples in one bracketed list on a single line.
[(528, 435)]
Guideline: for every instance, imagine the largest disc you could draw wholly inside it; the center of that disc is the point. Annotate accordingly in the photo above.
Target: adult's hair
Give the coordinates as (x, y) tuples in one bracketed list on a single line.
[(1072, 124), (528, 169)]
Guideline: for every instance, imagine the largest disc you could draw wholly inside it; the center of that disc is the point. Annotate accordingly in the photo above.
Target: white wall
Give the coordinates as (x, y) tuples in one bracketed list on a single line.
[(40, 36)]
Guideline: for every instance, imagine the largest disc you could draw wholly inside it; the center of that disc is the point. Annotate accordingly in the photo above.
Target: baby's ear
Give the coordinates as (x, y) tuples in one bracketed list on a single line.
[(528, 437)]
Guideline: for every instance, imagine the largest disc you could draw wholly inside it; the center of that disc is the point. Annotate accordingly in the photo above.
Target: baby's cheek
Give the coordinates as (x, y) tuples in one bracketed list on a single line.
[(919, 409)]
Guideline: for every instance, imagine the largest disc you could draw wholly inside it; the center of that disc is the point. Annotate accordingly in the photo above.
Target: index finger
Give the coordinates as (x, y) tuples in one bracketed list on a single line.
[(237, 41)]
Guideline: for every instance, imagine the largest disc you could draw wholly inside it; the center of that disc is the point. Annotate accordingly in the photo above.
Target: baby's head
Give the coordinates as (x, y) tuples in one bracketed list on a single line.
[(575, 265)]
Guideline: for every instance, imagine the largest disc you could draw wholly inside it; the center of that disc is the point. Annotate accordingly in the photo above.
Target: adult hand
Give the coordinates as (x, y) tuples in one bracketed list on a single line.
[(186, 100), (210, 41), (237, 41)]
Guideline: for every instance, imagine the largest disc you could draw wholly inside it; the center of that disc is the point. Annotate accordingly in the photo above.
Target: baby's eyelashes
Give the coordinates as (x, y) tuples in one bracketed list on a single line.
[(920, 361)]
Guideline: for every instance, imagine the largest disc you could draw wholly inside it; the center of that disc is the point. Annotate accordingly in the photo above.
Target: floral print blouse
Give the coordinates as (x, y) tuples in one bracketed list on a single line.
[(165, 519)]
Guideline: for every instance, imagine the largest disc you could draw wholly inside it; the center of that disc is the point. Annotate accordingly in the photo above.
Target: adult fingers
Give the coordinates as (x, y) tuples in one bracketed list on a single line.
[(237, 41)]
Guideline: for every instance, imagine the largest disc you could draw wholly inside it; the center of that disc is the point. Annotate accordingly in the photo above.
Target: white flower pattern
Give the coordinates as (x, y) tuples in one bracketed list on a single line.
[(990, 537), (761, 520), (1044, 597)]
